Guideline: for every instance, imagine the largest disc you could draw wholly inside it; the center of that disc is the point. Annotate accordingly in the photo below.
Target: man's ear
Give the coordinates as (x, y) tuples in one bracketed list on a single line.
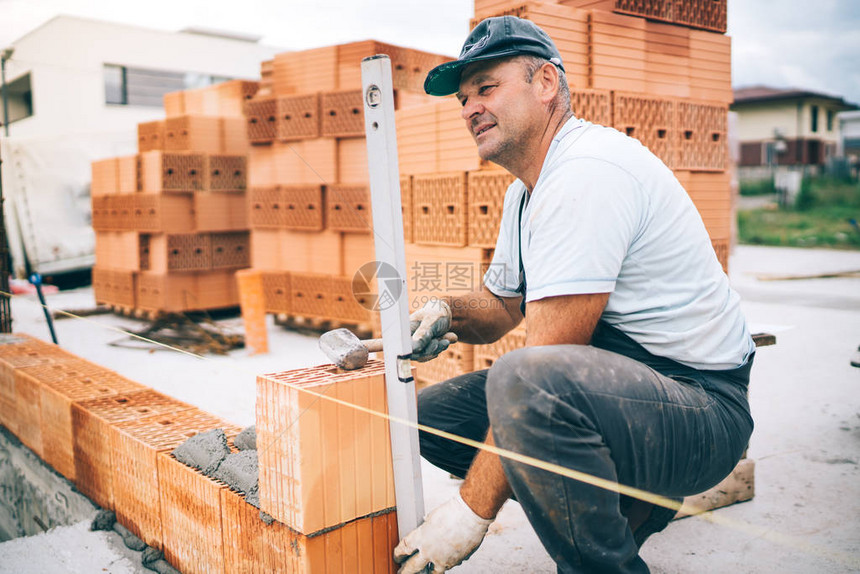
[(548, 82)]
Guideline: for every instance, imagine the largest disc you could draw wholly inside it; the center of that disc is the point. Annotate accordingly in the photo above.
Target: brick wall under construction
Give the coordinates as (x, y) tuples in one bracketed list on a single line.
[(328, 482), (171, 221)]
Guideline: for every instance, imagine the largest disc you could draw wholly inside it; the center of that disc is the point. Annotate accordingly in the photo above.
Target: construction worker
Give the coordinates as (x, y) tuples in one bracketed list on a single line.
[(637, 356)]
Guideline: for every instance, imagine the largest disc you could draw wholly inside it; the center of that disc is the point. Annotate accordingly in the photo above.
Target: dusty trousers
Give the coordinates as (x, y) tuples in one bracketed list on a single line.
[(611, 410)]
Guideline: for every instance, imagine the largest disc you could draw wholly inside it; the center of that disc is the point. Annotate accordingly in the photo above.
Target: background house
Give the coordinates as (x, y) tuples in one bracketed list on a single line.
[(77, 89), (797, 129)]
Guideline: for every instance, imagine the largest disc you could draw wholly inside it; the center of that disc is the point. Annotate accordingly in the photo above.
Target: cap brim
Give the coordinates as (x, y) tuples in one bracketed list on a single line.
[(444, 79)]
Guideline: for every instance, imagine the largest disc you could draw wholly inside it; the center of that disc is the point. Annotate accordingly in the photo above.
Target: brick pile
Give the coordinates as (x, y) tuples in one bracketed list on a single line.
[(309, 200), (656, 70), (171, 222)]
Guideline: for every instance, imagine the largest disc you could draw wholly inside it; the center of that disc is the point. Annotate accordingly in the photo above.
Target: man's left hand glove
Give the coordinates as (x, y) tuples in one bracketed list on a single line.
[(448, 536)]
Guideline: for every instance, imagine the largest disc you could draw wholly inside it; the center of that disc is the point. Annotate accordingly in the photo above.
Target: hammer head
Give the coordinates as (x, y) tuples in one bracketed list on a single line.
[(344, 349)]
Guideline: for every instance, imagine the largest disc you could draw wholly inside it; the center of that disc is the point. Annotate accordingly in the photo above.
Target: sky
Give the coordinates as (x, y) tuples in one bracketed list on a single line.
[(778, 43)]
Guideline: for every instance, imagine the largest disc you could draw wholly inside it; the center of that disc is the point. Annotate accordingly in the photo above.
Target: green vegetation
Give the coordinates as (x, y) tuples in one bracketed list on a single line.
[(821, 217), (760, 187)]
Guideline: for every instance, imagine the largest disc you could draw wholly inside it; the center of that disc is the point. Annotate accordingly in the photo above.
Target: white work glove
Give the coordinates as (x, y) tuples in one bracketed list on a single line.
[(448, 536), (428, 325)]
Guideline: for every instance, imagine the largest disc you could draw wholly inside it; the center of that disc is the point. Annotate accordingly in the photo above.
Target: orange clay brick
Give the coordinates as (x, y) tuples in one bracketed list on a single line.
[(486, 355), (105, 177), (649, 119), (60, 385), (406, 207), (433, 271), (193, 133), (594, 106), (191, 524), (253, 303), (323, 464), (276, 291), (118, 250), (220, 211), (303, 207), (225, 172), (266, 209), (702, 142), (342, 114), (305, 162), (348, 208), (92, 419), (150, 135), (486, 199), (171, 171), (179, 292), (350, 301), (358, 249), (157, 213), (232, 96), (298, 117), (266, 247), (231, 250), (18, 351), (722, 249), (363, 545), (180, 252), (123, 290), (352, 161), (311, 252), (135, 446), (457, 360), (128, 176), (305, 71), (311, 295), (439, 209), (234, 136), (261, 116)]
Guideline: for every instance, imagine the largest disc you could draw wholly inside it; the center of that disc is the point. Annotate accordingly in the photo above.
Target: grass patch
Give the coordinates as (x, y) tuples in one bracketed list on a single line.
[(821, 217), (761, 187)]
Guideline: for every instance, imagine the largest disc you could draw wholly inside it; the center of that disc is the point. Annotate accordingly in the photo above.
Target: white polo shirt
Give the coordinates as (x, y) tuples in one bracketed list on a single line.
[(607, 216)]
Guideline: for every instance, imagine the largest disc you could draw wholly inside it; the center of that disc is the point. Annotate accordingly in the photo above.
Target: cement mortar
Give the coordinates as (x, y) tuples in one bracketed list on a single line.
[(247, 439), (204, 451), (33, 497), (239, 470)]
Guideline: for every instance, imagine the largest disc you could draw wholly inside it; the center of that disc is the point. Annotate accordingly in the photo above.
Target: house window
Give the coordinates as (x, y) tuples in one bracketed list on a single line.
[(19, 99), (144, 87), (115, 85), (830, 115), (814, 124)]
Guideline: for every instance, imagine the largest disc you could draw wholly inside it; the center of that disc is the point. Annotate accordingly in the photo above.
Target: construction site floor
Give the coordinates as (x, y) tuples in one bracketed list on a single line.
[(805, 398)]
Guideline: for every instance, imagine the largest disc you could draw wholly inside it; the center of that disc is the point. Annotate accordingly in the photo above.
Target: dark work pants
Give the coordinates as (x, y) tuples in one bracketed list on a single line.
[(610, 410)]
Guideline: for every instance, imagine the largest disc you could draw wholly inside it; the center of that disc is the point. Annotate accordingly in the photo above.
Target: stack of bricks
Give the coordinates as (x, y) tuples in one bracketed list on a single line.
[(171, 223), (113, 439), (309, 200), (657, 70)]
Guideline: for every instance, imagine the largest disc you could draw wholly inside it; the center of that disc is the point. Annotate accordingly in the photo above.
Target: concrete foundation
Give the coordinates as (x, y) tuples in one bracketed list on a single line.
[(33, 497)]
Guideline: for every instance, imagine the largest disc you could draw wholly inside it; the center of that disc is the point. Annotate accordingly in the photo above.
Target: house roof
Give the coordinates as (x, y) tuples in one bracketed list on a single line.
[(764, 94)]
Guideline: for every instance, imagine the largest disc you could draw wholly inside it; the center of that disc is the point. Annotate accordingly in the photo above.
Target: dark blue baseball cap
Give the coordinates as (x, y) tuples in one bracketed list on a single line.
[(493, 38)]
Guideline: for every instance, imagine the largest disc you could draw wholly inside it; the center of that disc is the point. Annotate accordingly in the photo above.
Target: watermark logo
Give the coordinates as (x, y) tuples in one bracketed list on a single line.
[(388, 282)]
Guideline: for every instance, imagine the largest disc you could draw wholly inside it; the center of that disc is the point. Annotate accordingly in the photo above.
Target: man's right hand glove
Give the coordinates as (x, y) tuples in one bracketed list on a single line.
[(430, 327), (448, 536)]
